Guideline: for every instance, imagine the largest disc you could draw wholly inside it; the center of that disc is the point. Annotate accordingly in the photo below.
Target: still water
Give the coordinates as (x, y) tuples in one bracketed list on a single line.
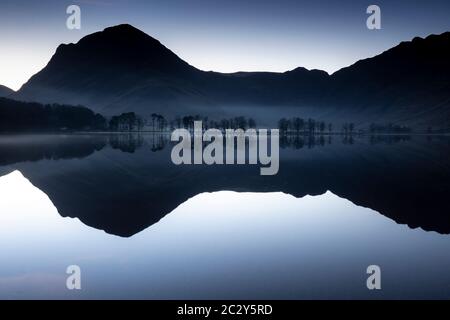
[(140, 227)]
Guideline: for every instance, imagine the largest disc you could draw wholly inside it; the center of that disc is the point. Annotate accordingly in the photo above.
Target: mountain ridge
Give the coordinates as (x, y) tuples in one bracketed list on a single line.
[(123, 69), (5, 91)]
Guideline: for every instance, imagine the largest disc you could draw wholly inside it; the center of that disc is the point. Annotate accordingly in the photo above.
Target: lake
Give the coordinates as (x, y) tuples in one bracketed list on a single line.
[(141, 227)]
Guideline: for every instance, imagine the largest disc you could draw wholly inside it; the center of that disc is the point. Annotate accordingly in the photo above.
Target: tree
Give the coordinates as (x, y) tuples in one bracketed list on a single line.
[(205, 123), (351, 128), (178, 122), (139, 123), (311, 126), (298, 124), (345, 128), (240, 123), (283, 125), (322, 127), (154, 117), (251, 123), (126, 122), (188, 122), (162, 123), (224, 124)]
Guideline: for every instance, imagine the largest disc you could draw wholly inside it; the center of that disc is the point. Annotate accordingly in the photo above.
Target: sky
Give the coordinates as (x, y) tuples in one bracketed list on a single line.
[(221, 35)]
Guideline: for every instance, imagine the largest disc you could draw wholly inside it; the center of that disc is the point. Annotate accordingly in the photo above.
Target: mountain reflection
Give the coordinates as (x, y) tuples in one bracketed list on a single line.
[(278, 245), (125, 183)]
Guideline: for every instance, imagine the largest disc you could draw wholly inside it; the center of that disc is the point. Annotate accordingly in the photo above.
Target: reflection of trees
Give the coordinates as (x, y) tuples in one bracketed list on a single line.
[(300, 141), (126, 142), (388, 128), (388, 139), (348, 139), (158, 142), (35, 148), (51, 147)]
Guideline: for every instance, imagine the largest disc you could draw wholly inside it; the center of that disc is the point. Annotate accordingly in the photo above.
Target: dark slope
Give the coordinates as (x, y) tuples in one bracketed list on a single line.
[(105, 66), (411, 81), (122, 68), (5, 91)]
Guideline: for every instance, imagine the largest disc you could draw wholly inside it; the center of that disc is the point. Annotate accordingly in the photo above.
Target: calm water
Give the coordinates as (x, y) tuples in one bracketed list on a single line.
[(141, 227)]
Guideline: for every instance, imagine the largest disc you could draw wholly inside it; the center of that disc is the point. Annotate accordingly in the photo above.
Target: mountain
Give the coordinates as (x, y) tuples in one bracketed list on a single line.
[(123, 69), (411, 81), (105, 68), (5, 91)]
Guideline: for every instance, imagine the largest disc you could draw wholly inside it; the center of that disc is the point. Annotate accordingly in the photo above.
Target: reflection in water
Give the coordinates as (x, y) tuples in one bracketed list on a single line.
[(38, 147), (188, 238), (123, 184), (256, 246)]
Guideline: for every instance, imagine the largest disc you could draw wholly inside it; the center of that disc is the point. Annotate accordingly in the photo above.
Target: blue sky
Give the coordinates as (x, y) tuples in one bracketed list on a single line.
[(226, 36)]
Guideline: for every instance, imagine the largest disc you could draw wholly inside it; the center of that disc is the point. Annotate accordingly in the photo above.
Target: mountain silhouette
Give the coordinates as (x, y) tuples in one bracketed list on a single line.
[(411, 81), (123, 69), (5, 91), (124, 193)]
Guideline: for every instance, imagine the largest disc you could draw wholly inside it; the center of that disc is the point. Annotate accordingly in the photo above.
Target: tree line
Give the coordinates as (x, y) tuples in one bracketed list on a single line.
[(126, 122), (240, 122), (30, 116), (304, 126), (18, 116), (158, 123), (310, 126)]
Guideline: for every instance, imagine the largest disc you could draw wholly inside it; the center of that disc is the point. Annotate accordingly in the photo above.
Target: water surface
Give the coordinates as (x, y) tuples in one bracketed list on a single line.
[(141, 227)]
